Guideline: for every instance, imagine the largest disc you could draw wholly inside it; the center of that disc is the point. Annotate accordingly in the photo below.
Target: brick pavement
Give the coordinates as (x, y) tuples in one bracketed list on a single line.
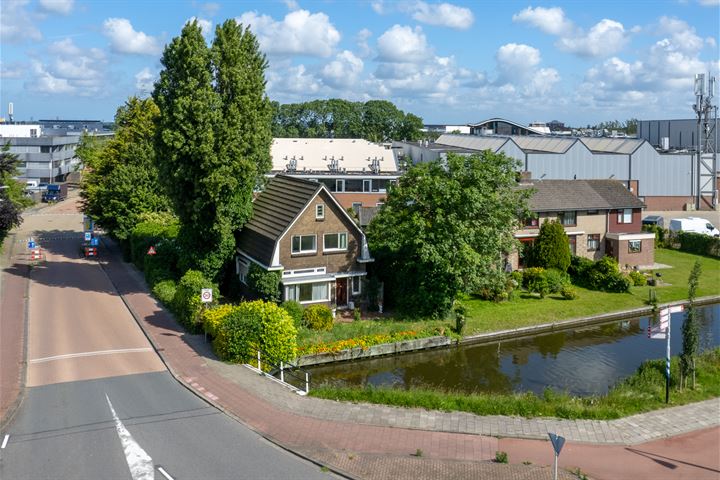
[(325, 430)]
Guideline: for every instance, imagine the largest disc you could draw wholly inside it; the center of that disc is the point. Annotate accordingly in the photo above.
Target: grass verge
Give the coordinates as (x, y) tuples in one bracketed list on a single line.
[(641, 392)]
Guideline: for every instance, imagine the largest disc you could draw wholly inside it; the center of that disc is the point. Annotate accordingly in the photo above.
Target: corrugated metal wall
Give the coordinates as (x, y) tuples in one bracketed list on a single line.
[(561, 166), (661, 175)]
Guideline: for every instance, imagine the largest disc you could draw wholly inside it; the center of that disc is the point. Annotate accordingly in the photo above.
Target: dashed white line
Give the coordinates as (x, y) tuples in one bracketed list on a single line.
[(164, 473), (5, 440), (90, 354), (139, 462)]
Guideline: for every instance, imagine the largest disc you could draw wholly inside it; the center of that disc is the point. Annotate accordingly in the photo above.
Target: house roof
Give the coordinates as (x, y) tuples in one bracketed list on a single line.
[(273, 211), (560, 195), (353, 155)]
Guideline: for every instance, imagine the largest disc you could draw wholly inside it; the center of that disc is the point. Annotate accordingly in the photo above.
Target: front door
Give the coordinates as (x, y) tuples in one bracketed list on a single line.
[(341, 290)]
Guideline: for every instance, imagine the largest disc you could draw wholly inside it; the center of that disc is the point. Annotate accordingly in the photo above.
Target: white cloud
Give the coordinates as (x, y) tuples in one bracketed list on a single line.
[(442, 14), (62, 7), (12, 70), (145, 81), (300, 32), (292, 4), (709, 3), (124, 38), (605, 38), (378, 6), (682, 35), (343, 71), (402, 44), (542, 82), (16, 24), (70, 70), (293, 80), (549, 20)]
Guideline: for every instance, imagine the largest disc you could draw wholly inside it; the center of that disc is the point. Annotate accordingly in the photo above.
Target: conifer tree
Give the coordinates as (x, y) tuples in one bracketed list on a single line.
[(551, 248), (690, 328)]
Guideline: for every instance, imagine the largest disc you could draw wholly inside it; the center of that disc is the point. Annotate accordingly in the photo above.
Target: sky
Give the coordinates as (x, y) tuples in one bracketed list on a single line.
[(579, 62)]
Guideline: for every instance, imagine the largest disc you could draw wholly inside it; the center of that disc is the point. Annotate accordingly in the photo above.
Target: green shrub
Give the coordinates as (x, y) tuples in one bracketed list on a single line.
[(535, 281), (603, 275), (551, 248), (501, 457), (637, 278), (162, 265), (357, 315), (295, 310), (146, 234), (699, 244), (556, 280), (264, 284), (579, 267), (517, 276), (212, 318), (568, 292), (460, 311), (662, 236), (187, 303), (164, 291), (318, 317), (254, 325)]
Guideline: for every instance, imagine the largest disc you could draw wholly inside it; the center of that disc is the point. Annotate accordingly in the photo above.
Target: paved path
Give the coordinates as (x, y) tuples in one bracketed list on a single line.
[(359, 438)]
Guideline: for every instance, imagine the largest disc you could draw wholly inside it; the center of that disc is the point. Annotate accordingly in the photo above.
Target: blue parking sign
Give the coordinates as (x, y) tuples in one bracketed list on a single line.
[(31, 244), (94, 241), (88, 236)]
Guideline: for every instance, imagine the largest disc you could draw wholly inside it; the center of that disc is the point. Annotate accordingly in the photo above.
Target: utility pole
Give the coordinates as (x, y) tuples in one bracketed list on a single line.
[(704, 182)]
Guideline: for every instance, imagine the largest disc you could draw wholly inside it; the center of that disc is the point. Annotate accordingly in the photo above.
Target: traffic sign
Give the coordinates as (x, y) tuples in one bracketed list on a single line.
[(31, 244), (151, 251), (94, 241), (557, 442), (206, 295), (88, 236)]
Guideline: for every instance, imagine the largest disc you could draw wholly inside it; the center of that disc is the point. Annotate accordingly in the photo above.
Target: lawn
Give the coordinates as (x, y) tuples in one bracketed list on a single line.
[(486, 316)]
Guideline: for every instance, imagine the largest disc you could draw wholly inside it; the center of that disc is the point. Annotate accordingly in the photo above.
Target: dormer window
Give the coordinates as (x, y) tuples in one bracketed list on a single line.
[(320, 211)]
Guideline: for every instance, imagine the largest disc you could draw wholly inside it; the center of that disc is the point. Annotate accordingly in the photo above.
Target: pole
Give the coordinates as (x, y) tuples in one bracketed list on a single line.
[(555, 467), (667, 361)]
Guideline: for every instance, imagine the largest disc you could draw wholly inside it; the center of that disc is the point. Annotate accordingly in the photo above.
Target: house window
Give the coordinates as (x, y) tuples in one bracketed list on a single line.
[(367, 185), (567, 219), (304, 244), (634, 246), (356, 207), (356, 285), (339, 185), (532, 222), (572, 242), (593, 242), (241, 268), (334, 241), (319, 211), (307, 292), (625, 215)]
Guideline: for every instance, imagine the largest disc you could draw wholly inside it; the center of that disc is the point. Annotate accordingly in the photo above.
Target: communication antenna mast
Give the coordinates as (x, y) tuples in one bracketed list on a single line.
[(706, 167), (10, 112)]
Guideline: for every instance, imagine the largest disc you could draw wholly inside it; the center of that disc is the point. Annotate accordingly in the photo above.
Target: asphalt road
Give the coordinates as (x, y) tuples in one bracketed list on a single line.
[(99, 402)]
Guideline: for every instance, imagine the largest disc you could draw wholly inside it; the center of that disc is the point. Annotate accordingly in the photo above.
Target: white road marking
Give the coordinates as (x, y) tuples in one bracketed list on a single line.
[(164, 473), (90, 354), (139, 462), (5, 440)]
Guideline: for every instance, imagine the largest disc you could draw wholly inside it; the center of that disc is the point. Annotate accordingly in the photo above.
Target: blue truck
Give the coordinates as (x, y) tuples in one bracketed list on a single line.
[(55, 193)]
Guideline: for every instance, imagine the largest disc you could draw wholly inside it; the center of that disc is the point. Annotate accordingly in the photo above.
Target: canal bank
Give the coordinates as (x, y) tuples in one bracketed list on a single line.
[(441, 341)]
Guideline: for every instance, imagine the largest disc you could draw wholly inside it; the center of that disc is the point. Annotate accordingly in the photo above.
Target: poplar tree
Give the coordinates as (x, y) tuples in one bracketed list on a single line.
[(213, 137), (690, 328)]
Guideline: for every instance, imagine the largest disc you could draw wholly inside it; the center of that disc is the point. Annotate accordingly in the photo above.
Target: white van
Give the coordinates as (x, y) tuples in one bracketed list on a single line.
[(693, 225)]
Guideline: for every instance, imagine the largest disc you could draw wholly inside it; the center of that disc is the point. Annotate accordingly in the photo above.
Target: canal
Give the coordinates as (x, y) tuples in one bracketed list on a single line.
[(582, 361)]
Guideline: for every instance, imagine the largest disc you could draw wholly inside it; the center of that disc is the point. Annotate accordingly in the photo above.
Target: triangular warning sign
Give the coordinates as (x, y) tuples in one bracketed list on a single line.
[(151, 250)]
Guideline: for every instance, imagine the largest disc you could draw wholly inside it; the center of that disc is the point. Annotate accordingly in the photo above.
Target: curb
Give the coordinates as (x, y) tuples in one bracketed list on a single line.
[(188, 387)]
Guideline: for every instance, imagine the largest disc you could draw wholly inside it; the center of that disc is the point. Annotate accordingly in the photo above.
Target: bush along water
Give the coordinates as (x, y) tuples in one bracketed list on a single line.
[(318, 317), (603, 275), (295, 310)]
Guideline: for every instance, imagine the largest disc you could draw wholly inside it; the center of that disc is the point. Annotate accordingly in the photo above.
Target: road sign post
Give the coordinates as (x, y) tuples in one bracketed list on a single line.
[(662, 332), (151, 251), (557, 443), (206, 295)]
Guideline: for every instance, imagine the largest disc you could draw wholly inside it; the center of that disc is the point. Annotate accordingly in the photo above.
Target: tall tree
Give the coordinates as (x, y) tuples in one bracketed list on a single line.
[(551, 248), (121, 182), (213, 138), (12, 198), (690, 328), (444, 230)]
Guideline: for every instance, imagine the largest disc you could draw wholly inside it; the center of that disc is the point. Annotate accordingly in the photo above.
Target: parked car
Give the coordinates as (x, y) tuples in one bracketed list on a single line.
[(88, 251), (55, 193), (654, 220), (693, 225)]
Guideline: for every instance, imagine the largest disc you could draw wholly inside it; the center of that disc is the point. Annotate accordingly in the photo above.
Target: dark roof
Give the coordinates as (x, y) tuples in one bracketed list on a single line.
[(274, 209), (560, 195)]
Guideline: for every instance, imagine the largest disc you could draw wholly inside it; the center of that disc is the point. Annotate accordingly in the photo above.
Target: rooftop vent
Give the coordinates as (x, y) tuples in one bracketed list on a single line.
[(334, 164), (375, 165), (292, 165)]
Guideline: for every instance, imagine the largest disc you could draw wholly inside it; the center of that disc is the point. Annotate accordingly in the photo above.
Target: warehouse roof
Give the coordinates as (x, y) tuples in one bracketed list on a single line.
[(541, 144)]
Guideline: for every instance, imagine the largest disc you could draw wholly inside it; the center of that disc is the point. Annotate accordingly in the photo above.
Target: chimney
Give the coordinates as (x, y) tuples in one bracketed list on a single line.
[(525, 177)]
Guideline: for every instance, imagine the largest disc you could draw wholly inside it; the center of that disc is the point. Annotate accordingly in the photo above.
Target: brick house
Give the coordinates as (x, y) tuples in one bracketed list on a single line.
[(601, 217), (299, 229)]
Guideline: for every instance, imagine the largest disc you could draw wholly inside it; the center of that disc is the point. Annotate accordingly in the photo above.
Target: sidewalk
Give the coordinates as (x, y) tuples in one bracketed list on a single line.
[(370, 441)]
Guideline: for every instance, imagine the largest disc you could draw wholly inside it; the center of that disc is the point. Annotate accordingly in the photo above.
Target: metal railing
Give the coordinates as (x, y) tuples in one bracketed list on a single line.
[(284, 368)]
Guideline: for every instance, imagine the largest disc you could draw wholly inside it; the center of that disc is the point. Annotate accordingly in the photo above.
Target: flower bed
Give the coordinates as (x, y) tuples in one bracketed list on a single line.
[(362, 342)]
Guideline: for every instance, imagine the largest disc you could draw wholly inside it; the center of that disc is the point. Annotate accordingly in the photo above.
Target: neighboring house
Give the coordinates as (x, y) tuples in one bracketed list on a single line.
[(299, 229), (356, 171), (601, 217)]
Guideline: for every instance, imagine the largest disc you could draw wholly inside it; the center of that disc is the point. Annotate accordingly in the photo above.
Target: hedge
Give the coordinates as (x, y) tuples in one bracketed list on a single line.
[(603, 275), (213, 318), (295, 310), (264, 284), (256, 324), (187, 303), (165, 292), (699, 244), (146, 234)]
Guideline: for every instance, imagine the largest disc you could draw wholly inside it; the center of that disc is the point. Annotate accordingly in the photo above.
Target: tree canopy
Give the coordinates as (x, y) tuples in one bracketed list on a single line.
[(213, 137), (12, 198), (444, 230), (375, 120), (551, 248), (121, 181)]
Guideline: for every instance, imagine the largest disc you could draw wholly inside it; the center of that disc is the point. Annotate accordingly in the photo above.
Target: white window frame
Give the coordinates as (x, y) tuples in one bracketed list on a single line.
[(625, 215), (320, 211), (359, 285), (242, 268), (337, 249), (594, 238), (301, 251), (639, 249), (295, 288), (367, 182), (339, 184)]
